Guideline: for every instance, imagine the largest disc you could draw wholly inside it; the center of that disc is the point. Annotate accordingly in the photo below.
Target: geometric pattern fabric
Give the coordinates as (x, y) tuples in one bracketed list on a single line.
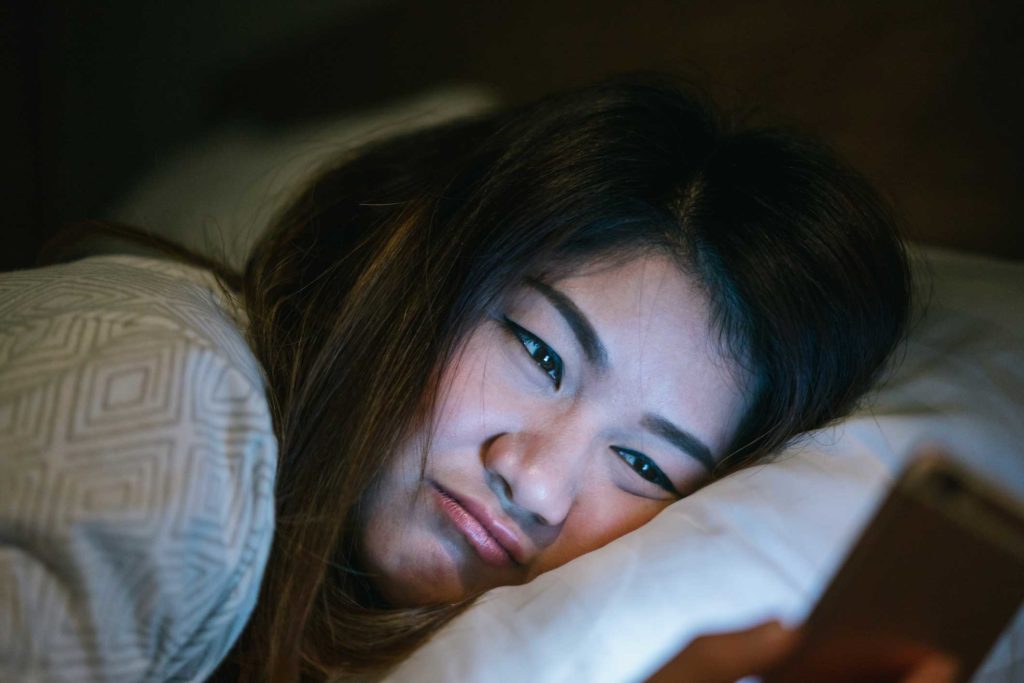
[(137, 463)]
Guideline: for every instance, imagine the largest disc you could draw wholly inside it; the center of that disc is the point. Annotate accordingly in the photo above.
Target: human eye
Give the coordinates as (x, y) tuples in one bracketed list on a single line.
[(542, 354), (646, 468)]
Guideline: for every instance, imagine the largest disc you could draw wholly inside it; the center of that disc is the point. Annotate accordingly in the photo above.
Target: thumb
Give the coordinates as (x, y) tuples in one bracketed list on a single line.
[(935, 669)]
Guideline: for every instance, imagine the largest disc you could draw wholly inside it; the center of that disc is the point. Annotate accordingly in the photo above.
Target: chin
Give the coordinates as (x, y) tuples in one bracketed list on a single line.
[(419, 589), (426, 576), (417, 559)]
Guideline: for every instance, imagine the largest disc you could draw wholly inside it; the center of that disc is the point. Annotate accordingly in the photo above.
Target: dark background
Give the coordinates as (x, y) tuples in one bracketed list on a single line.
[(925, 97)]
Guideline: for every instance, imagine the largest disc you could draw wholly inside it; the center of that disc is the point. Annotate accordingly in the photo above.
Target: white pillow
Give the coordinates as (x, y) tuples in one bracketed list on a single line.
[(218, 193), (764, 542)]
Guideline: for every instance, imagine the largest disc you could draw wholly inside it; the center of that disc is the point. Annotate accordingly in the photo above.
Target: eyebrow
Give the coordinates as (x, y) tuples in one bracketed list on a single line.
[(597, 354), (581, 328), (681, 439)]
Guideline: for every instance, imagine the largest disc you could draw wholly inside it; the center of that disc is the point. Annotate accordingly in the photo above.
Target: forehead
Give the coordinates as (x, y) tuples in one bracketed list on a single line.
[(642, 285), (647, 299), (655, 322)]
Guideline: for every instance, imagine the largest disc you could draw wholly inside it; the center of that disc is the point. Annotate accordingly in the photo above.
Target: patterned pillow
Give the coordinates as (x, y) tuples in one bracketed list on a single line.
[(137, 467)]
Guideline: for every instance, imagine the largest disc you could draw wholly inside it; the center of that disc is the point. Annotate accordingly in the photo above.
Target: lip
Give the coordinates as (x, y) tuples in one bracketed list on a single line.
[(490, 536)]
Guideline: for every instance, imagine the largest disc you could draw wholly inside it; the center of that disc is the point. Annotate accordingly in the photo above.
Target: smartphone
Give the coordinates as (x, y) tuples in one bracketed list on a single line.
[(940, 568)]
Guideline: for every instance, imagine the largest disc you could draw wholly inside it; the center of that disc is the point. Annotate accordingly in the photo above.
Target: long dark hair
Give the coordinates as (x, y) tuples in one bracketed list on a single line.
[(362, 290)]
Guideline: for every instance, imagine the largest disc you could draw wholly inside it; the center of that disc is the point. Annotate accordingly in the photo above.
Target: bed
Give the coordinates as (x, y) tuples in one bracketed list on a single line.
[(762, 543)]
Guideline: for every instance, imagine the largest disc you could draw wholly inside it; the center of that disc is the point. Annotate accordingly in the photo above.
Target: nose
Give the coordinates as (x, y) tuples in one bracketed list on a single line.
[(538, 474)]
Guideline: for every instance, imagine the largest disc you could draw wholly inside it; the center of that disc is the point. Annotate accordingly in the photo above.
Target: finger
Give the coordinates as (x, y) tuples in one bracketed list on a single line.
[(725, 657), (937, 668)]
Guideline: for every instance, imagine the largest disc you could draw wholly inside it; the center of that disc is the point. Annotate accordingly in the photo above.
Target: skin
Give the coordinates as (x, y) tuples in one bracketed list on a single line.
[(536, 454), (552, 460)]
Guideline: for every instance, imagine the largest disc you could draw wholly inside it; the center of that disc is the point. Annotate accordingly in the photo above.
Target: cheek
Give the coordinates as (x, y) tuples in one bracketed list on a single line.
[(475, 395), (596, 522), (463, 404)]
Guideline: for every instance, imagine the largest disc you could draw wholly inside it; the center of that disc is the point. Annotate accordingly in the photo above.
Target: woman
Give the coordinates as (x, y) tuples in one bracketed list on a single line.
[(497, 344)]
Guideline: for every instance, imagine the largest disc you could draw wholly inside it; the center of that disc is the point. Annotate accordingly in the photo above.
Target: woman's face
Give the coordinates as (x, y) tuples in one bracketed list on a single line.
[(567, 420)]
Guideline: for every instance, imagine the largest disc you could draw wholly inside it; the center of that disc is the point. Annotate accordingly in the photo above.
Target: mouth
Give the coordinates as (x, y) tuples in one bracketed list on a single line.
[(493, 542)]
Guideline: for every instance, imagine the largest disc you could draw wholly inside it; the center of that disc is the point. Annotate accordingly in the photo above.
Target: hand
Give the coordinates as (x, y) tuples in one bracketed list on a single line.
[(727, 657), (934, 669)]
